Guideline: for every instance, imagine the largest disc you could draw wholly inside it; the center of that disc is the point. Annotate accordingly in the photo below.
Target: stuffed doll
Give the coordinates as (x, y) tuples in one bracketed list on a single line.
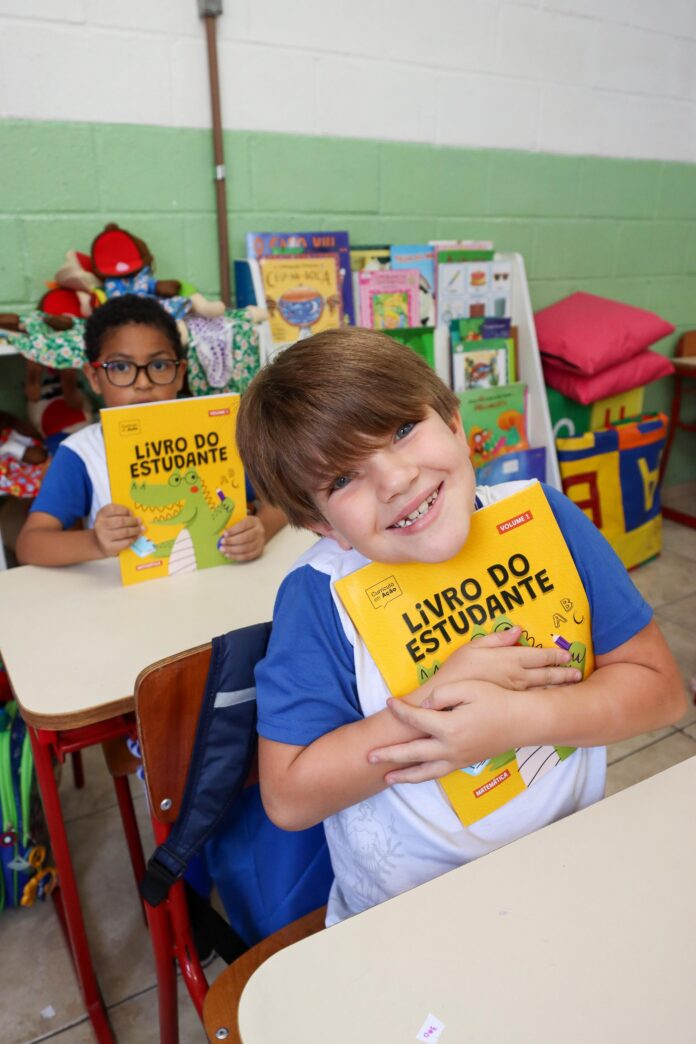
[(22, 457), (125, 265)]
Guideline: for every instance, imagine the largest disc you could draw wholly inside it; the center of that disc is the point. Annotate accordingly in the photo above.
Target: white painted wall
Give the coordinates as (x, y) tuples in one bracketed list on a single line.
[(604, 77)]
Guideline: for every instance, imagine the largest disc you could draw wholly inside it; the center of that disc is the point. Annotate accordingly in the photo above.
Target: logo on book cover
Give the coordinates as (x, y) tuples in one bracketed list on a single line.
[(218, 413), (382, 593), (516, 522), (128, 428)]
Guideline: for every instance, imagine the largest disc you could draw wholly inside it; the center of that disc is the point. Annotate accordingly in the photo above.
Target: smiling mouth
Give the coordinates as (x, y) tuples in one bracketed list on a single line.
[(419, 512)]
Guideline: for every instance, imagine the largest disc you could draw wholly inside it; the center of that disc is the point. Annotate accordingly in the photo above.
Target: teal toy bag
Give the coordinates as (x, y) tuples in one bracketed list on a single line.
[(24, 875)]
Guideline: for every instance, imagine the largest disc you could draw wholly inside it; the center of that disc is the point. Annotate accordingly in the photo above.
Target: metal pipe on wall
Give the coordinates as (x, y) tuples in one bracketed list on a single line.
[(209, 10)]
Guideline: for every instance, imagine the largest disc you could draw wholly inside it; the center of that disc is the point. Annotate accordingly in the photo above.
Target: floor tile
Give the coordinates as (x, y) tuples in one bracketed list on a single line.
[(668, 578), (650, 760), (617, 751), (681, 539)]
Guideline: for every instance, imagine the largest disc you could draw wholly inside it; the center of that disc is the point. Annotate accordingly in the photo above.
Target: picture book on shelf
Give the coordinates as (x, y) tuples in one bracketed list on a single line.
[(301, 294), (175, 465), (471, 288), (370, 257), (420, 256), (515, 568), (293, 244), (511, 467), (480, 366), (495, 420), (389, 300)]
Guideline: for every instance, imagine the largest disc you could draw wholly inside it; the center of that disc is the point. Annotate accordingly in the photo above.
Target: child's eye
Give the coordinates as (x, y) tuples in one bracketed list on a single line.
[(339, 483), (120, 366), (404, 430)]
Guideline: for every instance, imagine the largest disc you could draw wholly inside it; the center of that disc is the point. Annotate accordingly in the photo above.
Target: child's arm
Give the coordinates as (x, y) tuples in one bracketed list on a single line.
[(636, 687), (245, 541), (44, 542), (301, 785)]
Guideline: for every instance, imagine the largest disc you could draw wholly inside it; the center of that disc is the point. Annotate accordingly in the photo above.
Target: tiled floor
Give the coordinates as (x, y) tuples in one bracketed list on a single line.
[(40, 999)]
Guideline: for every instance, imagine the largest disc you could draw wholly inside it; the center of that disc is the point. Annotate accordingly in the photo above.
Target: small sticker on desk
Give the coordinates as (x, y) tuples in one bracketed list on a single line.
[(430, 1030)]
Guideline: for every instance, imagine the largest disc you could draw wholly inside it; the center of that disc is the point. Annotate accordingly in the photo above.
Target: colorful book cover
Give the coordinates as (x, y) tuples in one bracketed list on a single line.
[(273, 244), (514, 569), (480, 367), (512, 467), (482, 363), (420, 256), (175, 465), (495, 420), (389, 300), (302, 295), (369, 258)]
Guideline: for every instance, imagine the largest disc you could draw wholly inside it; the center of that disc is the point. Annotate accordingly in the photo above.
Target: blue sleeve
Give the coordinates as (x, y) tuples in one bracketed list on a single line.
[(66, 490), (618, 609), (306, 686), (250, 492)]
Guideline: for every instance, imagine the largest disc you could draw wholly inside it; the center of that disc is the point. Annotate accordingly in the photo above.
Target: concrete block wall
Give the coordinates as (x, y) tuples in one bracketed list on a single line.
[(563, 129)]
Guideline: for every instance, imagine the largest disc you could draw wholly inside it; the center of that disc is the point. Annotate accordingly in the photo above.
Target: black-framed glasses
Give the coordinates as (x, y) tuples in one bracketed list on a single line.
[(122, 373)]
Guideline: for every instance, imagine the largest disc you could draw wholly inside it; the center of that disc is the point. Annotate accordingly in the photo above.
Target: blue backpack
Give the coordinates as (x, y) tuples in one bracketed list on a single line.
[(266, 877), (24, 875)]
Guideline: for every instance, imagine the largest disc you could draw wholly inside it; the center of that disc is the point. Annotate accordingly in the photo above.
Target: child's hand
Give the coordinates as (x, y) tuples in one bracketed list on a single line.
[(243, 541), (496, 658), (115, 529), (485, 720)]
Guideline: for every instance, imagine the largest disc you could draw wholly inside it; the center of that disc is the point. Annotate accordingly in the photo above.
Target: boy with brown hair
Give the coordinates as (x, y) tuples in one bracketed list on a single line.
[(356, 438), (135, 355)]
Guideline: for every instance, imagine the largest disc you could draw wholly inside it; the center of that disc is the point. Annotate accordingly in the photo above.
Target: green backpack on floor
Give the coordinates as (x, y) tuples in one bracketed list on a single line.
[(24, 875)]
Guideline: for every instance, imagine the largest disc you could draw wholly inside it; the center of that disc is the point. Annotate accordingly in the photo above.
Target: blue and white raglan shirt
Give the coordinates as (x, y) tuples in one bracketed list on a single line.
[(318, 676), (76, 485)]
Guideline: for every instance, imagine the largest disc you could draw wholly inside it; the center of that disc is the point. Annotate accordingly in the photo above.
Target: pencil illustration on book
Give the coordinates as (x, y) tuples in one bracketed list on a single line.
[(176, 466), (514, 569)]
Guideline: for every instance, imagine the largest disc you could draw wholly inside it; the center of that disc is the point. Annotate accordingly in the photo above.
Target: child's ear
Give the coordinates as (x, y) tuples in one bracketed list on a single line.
[(92, 376), (325, 530)]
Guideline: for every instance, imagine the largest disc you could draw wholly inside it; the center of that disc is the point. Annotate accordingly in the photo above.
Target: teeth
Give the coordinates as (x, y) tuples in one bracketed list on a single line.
[(421, 510)]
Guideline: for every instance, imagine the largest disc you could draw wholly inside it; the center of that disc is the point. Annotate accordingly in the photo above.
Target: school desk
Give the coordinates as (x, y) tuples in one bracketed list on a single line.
[(584, 931), (74, 640)]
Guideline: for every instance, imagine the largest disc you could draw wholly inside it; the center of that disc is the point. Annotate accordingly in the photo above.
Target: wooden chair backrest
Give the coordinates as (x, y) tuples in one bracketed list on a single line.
[(168, 698), (687, 344)]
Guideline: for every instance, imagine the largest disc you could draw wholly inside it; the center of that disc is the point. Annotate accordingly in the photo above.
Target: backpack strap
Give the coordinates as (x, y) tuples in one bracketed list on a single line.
[(223, 751)]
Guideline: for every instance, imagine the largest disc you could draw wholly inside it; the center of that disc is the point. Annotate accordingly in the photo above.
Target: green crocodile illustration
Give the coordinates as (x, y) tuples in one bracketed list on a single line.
[(578, 656), (183, 501)]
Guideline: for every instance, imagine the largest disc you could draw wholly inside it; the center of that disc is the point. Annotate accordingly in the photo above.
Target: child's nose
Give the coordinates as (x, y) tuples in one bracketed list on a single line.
[(394, 474)]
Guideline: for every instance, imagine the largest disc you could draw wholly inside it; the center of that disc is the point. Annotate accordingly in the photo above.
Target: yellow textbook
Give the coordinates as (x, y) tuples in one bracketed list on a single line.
[(175, 465), (302, 294), (514, 569)]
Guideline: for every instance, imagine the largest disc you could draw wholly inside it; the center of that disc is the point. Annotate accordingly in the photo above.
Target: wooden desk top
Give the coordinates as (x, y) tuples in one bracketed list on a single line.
[(74, 639), (584, 931)]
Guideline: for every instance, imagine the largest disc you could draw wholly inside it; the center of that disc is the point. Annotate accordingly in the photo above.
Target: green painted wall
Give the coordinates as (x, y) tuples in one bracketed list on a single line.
[(621, 228)]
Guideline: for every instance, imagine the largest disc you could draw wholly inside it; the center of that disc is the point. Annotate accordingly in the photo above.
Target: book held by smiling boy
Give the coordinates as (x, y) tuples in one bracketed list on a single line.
[(515, 568), (175, 464)]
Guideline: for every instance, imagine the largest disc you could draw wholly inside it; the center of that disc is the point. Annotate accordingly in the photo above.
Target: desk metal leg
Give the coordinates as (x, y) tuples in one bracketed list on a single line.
[(79, 946)]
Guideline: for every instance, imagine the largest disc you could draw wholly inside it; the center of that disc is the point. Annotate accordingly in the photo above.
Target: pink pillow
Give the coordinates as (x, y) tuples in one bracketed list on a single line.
[(585, 333), (641, 369)]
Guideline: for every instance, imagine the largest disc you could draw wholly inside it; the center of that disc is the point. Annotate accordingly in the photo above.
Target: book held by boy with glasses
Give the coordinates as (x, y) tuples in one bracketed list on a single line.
[(175, 465)]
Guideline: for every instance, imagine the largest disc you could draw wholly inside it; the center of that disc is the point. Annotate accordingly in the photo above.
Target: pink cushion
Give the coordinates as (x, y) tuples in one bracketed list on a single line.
[(586, 333), (641, 369)]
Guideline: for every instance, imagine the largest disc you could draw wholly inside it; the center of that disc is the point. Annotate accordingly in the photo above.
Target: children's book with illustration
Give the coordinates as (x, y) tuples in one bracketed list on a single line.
[(294, 244), (514, 569), (420, 256), (389, 300), (511, 467), (480, 366), (175, 465), (495, 420), (302, 295)]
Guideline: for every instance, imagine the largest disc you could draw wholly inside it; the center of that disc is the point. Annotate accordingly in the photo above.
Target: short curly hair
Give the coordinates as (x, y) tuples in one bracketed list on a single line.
[(129, 310), (323, 405)]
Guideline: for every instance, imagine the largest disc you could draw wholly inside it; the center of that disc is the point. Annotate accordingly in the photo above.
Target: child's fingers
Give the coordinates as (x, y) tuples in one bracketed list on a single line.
[(543, 677), (498, 638), (418, 773), (412, 752)]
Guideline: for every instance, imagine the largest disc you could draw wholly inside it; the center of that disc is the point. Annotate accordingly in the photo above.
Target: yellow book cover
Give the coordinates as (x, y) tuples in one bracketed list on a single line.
[(514, 569), (303, 295), (175, 465)]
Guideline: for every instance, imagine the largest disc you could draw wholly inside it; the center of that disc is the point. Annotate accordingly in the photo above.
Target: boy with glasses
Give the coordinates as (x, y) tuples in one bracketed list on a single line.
[(135, 356)]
